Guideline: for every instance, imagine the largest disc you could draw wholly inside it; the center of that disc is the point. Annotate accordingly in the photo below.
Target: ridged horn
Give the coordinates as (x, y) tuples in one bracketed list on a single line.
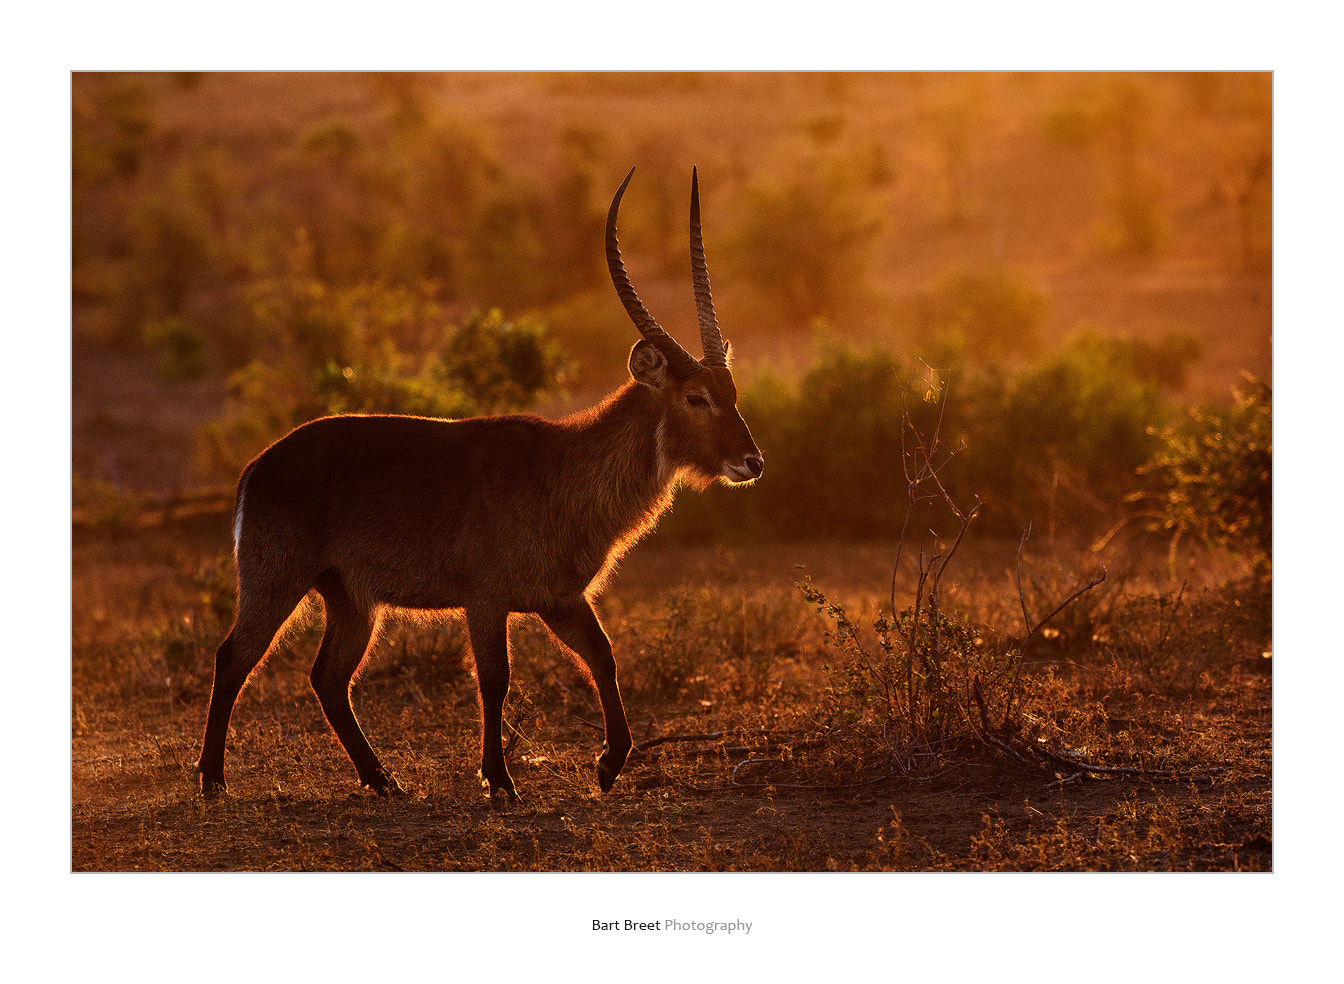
[(681, 360), (710, 339)]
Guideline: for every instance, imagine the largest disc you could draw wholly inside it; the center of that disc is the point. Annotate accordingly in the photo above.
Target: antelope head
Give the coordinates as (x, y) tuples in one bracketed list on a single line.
[(700, 435)]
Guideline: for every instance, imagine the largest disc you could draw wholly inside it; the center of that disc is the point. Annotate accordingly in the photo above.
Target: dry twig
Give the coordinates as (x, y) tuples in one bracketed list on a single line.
[(1034, 627)]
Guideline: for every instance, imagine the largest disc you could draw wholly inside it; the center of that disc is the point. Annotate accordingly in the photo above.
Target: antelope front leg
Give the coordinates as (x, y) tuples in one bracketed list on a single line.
[(489, 633), (576, 625)]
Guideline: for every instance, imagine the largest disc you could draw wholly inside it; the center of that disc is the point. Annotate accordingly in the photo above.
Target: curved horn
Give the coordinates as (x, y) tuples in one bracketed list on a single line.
[(681, 360), (710, 339)]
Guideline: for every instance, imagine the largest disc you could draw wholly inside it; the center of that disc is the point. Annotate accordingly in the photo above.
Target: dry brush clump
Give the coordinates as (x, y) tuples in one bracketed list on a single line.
[(923, 685), (1073, 692)]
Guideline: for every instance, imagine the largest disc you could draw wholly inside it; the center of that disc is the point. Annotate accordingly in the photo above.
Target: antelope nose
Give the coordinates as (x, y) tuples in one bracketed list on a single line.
[(755, 464)]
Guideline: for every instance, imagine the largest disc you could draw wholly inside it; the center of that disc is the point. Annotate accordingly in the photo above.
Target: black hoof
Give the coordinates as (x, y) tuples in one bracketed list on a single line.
[(609, 766), (497, 788), (386, 785), (213, 789)]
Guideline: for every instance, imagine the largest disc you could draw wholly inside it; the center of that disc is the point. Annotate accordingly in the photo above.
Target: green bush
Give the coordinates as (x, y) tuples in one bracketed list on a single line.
[(374, 349), (183, 349), (1057, 443), (832, 446), (102, 504), (1061, 439), (506, 256), (1164, 362), (1215, 471), (298, 316), (987, 313), (170, 253), (802, 242), (381, 389), (502, 365), (444, 169)]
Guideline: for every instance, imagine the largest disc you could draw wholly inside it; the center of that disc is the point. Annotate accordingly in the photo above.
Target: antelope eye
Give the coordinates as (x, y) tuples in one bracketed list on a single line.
[(696, 400)]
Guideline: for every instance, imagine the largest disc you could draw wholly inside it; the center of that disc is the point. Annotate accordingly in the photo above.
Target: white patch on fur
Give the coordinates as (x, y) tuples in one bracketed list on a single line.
[(660, 454), (238, 518)]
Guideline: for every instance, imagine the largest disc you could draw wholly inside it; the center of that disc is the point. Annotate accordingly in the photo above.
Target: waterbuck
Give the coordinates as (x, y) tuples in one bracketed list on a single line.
[(492, 515)]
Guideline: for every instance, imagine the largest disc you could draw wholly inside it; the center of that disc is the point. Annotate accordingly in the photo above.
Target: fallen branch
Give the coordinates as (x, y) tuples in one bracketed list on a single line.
[(644, 746), (732, 776), (993, 740), (1082, 766), (1065, 781), (710, 736)]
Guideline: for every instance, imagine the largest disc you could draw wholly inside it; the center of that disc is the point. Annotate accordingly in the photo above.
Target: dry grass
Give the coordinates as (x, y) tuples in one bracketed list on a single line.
[(708, 643)]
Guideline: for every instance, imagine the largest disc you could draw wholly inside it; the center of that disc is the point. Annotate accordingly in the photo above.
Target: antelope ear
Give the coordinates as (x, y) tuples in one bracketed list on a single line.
[(648, 365)]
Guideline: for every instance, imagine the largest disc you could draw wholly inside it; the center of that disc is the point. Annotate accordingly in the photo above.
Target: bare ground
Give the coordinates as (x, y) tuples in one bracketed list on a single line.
[(133, 813), (732, 803)]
